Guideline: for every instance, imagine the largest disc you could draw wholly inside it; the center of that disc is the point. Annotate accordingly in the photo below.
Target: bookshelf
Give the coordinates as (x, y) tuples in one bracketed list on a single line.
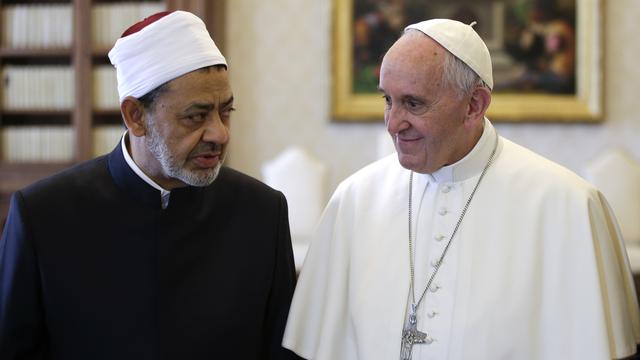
[(59, 98)]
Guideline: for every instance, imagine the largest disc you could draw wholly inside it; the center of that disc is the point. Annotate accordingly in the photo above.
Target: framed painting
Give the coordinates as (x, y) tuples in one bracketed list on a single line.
[(546, 54)]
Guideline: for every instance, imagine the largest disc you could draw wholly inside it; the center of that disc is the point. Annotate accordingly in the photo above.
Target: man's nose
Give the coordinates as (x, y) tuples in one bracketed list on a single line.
[(395, 119), (216, 131)]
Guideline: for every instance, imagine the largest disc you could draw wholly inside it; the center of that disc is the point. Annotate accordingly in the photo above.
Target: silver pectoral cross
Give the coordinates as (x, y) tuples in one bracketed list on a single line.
[(411, 335)]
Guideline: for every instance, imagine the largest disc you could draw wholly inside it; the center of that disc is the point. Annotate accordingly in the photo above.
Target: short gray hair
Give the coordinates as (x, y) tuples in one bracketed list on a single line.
[(459, 75)]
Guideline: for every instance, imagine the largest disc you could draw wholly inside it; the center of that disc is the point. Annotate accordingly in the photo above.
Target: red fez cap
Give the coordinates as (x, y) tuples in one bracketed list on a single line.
[(142, 23)]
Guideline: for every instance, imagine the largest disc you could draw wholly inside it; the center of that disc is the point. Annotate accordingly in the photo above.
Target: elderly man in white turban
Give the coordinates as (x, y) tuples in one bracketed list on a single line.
[(154, 251), (463, 245)]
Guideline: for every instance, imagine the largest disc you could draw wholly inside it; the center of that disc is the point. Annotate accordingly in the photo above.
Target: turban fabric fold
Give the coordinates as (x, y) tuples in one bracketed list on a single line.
[(161, 48)]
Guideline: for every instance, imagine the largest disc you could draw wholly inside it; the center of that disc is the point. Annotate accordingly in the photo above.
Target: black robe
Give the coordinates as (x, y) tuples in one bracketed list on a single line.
[(91, 267)]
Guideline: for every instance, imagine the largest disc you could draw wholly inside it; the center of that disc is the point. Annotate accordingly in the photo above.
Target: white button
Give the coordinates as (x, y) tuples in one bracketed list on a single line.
[(446, 188), (434, 262), (432, 314), (443, 211), (439, 237), (434, 287)]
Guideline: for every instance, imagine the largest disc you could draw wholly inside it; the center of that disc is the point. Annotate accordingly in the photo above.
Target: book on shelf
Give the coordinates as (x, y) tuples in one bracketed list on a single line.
[(110, 20), (105, 88), (47, 143), (37, 26), (43, 26), (27, 87), (35, 90), (42, 87), (37, 144), (106, 137)]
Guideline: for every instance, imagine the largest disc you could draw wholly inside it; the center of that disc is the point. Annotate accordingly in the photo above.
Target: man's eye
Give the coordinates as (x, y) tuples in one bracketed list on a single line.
[(412, 104), (227, 112), (387, 100), (199, 117)]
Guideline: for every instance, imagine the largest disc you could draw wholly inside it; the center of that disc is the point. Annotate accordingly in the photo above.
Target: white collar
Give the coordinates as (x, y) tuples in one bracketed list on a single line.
[(472, 163)]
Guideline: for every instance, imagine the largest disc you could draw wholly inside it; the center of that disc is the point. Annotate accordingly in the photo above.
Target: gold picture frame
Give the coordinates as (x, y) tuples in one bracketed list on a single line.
[(583, 104)]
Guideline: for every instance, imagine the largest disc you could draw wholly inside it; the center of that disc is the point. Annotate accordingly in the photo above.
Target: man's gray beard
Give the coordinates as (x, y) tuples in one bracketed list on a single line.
[(159, 149)]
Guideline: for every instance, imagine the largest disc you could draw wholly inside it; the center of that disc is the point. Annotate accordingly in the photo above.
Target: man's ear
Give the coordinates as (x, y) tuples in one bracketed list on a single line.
[(133, 115), (478, 104)]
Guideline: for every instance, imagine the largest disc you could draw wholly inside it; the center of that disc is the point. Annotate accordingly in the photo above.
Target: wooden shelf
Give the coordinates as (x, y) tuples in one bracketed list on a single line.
[(100, 52), (39, 112), (7, 52), (107, 112), (18, 2)]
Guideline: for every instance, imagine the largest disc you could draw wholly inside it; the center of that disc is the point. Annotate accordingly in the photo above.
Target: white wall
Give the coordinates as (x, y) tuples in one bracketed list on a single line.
[(280, 56)]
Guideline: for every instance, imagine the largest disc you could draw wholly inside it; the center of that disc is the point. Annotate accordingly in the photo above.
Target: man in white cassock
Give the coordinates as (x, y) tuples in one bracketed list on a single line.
[(464, 245)]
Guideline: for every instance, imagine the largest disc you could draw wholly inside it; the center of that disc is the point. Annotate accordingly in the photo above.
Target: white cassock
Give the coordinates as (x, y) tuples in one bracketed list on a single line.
[(537, 270)]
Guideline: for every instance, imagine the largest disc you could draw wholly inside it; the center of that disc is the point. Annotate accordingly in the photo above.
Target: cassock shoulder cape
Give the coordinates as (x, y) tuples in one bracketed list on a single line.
[(542, 271), (91, 267)]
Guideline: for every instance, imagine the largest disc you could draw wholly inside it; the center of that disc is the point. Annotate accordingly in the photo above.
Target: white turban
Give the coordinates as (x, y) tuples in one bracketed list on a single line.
[(462, 41), (162, 50)]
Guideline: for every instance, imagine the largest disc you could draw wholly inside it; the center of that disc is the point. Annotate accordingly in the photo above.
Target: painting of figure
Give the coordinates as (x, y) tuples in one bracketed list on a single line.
[(532, 42)]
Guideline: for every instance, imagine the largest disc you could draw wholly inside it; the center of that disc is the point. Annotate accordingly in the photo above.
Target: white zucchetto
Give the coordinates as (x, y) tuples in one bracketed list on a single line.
[(462, 41)]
